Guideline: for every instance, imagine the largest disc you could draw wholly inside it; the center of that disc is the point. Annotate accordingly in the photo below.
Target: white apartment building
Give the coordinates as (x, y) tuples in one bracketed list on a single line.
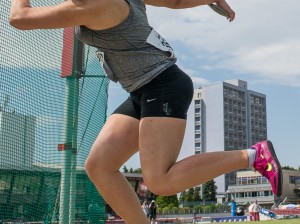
[(228, 116), (252, 186), (17, 139)]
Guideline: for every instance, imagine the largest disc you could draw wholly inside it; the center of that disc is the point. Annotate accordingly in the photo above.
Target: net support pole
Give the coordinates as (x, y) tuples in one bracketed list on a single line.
[(78, 67), (67, 170), (69, 148)]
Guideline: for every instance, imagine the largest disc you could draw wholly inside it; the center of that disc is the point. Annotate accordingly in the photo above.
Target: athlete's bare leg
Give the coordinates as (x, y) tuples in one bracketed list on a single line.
[(160, 143), (116, 143)]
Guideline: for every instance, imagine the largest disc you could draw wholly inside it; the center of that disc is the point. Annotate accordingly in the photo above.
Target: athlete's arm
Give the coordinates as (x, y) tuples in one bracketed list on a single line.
[(182, 4), (178, 4), (66, 14)]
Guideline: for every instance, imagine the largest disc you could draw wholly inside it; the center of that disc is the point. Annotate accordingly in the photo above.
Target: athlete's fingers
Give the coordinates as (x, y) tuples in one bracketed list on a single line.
[(224, 5)]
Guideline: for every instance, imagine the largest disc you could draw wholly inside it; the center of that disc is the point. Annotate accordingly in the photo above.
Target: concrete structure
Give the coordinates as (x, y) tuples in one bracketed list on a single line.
[(251, 185), (17, 139), (228, 116)]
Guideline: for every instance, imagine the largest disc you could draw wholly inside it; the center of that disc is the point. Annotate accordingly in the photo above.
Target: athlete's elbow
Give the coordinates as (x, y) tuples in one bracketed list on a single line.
[(175, 4), (15, 22), (18, 21)]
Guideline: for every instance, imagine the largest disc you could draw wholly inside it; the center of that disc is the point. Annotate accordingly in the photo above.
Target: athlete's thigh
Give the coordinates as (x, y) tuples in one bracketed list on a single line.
[(164, 105), (160, 141), (116, 143)]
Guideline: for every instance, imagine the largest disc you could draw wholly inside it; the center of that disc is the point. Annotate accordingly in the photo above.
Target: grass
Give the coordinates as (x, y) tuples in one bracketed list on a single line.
[(281, 221)]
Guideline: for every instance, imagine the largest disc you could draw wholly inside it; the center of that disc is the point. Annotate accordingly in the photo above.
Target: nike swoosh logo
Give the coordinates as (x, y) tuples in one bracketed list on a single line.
[(149, 100), (269, 167)]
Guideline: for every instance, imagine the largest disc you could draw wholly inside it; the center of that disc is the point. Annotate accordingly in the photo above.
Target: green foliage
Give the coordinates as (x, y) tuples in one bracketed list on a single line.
[(182, 196), (210, 191), (165, 210), (167, 201), (138, 170), (125, 170), (288, 168), (197, 196), (175, 210), (131, 170), (198, 207), (184, 210), (191, 195)]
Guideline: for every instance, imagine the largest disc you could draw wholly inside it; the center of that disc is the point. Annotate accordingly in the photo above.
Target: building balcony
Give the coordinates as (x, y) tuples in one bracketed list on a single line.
[(249, 187), (261, 200), (242, 193)]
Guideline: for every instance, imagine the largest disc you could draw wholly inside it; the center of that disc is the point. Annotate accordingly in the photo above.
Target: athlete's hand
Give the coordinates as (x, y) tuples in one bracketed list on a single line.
[(223, 4)]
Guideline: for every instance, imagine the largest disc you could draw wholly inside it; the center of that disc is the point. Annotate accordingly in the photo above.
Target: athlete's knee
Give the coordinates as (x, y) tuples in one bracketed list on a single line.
[(97, 164), (92, 168), (158, 183), (99, 168)]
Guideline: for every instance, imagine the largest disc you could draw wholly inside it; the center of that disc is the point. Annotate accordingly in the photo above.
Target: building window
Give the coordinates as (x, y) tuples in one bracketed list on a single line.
[(254, 194), (294, 179), (260, 194)]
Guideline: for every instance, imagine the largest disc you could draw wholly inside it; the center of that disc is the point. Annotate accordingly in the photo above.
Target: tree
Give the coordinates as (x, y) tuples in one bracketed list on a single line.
[(125, 170), (190, 195), (138, 170), (167, 201), (131, 170), (197, 196), (288, 168), (210, 191), (182, 196)]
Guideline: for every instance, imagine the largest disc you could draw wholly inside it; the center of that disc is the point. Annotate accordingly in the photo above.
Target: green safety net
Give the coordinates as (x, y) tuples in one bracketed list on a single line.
[(47, 126)]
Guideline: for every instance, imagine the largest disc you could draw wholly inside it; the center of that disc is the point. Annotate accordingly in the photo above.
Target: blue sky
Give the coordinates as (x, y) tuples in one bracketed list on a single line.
[(262, 47)]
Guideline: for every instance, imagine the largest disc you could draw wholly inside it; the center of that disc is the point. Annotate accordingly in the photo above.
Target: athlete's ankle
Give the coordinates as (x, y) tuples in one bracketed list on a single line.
[(251, 157)]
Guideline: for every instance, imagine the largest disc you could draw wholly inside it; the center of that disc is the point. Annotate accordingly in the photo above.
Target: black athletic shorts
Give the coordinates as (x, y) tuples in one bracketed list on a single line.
[(167, 95)]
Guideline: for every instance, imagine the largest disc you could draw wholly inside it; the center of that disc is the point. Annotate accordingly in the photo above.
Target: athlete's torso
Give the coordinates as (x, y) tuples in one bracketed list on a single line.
[(133, 52)]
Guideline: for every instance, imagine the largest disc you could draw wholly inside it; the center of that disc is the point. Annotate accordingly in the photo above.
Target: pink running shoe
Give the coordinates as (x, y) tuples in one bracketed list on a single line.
[(267, 164)]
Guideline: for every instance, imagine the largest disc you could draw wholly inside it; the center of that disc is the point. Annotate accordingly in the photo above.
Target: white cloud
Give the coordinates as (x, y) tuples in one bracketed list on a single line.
[(262, 41), (277, 63)]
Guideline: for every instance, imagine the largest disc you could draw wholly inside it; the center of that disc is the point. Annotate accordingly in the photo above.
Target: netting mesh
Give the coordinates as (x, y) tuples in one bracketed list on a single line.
[(40, 112)]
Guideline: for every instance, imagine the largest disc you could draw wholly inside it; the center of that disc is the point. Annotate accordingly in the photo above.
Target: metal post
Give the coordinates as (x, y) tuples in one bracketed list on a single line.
[(67, 152), (68, 171), (78, 66)]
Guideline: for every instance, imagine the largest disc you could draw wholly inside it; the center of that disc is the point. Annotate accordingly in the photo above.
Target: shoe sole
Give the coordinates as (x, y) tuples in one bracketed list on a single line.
[(271, 148)]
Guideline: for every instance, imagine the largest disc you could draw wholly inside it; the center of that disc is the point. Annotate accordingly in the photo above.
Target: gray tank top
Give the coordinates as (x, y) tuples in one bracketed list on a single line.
[(132, 53)]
